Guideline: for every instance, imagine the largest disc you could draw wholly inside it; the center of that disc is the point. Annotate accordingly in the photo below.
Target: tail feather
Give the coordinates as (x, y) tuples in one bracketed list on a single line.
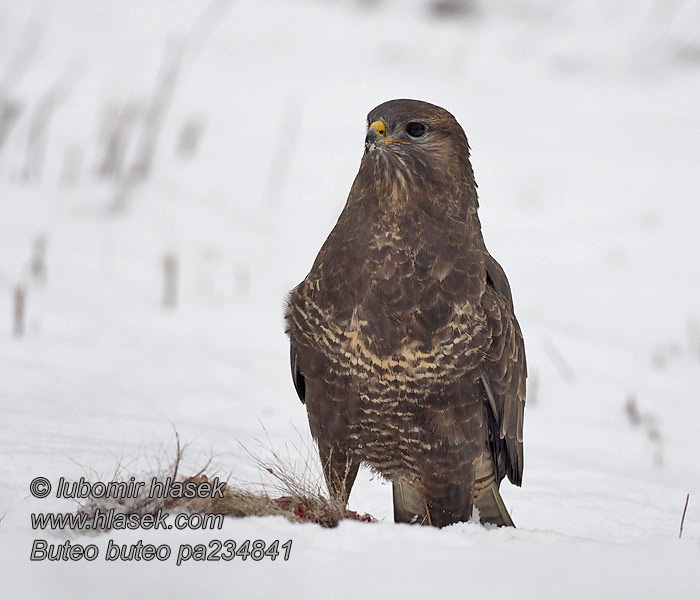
[(410, 504), (491, 507)]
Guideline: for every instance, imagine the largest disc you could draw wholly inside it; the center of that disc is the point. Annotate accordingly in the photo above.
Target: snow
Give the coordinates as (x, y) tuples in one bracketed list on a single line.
[(585, 135)]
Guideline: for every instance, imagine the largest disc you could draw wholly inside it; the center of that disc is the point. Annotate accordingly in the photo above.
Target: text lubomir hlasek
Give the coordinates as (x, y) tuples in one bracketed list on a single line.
[(166, 488)]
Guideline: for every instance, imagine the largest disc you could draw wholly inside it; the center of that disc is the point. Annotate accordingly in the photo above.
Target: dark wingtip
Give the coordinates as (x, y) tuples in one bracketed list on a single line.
[(297, 377)]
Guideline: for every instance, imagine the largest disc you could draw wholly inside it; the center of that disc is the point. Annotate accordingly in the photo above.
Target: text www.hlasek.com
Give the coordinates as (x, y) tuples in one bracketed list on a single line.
[(111, 519)]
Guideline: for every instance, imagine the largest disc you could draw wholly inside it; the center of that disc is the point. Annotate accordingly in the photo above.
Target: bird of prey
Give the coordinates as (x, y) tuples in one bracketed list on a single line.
[(404, 345)]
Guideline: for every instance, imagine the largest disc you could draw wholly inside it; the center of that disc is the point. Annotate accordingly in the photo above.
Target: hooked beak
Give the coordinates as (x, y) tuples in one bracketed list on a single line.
[(376, 137)]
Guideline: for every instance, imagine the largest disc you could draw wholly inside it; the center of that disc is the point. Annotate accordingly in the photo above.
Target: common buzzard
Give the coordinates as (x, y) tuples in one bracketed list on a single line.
[(404, 345)]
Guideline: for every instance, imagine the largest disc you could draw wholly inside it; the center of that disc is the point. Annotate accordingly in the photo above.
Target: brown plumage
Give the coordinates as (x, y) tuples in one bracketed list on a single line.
[(404, 345)]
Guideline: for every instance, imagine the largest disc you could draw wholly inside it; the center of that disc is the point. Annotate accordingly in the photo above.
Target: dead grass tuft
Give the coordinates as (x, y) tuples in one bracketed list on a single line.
[(290, 494)]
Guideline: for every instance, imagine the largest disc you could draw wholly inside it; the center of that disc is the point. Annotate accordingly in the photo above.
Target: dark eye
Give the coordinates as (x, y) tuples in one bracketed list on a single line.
[(415, 129)]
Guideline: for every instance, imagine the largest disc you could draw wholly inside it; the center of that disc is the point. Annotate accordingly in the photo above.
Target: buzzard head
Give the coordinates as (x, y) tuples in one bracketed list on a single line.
[(413, 147)]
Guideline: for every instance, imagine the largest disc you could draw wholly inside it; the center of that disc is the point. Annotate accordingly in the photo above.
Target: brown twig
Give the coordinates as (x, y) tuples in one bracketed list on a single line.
[(685, 508), (178, 455)]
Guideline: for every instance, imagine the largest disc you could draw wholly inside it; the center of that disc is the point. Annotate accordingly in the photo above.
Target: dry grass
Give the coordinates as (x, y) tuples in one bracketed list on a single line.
[(292, 494)]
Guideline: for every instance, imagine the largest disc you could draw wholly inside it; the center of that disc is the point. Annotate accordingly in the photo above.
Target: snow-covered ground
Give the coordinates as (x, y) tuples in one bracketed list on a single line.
[(585, 129)]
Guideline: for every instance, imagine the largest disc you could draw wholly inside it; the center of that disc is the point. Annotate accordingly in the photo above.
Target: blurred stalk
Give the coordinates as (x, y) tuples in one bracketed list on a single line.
[(20, 303), (170, 280)]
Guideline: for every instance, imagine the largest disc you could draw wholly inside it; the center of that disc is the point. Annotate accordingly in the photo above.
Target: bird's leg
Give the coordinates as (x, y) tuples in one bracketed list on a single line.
[(339, 470), (410, 505)]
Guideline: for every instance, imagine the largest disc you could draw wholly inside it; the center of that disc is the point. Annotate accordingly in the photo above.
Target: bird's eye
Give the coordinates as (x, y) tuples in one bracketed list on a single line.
[(415, 129)]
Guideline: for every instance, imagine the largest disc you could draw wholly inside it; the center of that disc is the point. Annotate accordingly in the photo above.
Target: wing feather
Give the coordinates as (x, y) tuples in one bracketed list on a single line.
[(297, 376), (504, 374)]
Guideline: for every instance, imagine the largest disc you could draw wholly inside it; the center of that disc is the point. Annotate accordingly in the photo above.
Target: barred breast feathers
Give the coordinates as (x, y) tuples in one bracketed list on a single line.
[(454, 352)]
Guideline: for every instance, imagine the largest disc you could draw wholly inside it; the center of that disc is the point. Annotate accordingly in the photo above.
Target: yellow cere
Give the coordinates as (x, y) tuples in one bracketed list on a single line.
[(380, 128)]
